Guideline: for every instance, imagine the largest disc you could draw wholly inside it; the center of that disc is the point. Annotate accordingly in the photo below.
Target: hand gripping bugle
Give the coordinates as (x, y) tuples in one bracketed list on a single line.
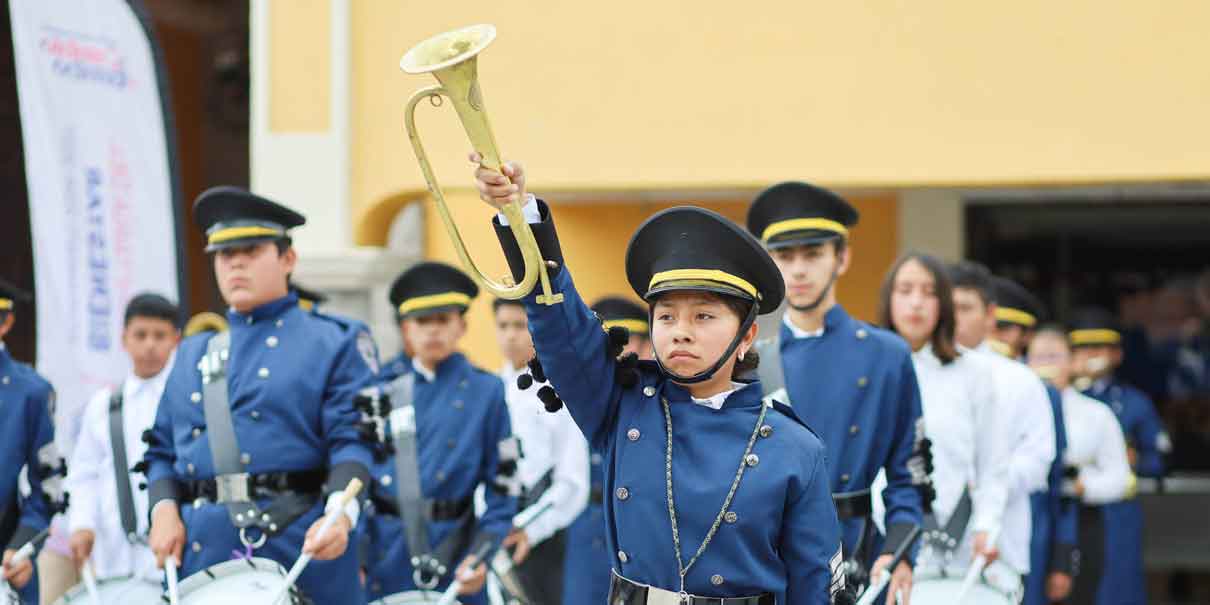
[(878, 584), (346, 496)]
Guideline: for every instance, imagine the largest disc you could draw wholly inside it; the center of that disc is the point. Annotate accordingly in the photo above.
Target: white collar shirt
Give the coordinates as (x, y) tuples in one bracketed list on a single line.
[(1096, 447)]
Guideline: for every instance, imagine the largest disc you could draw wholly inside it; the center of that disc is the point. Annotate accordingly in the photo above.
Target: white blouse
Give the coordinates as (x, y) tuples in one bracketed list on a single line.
[(1096, 446)]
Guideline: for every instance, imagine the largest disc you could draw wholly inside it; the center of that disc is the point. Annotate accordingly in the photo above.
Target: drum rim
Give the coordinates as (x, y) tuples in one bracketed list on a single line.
[(226, 569), (426, 596), (79, 590)]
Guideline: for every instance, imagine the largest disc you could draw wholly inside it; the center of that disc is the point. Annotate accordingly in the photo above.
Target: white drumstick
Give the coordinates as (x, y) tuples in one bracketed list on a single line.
[(303, 559), (25, 552), (174, 596), (980, 563), (90, 583)]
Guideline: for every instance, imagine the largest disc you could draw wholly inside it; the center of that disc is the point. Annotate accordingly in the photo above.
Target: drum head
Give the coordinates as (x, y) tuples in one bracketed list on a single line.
[(114, 591), (413, 597), (944, 591), (238, 582)]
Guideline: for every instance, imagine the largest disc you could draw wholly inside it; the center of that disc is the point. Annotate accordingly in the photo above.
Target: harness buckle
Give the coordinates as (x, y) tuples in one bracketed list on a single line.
[(232, 488)]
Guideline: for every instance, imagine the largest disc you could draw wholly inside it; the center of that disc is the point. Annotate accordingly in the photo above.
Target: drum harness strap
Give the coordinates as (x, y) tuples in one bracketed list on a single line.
[(429, 564), (946, 540), (234, 486), (121, 472)]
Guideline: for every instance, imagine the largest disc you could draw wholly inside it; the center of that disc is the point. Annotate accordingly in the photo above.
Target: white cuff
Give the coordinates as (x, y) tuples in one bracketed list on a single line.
[(352, 510), (529, 209)]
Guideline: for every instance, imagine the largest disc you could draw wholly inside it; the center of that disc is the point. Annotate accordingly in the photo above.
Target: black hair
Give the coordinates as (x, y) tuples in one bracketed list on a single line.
[(153, 306), (283, 243), (973, 276), (500, 302), (746, 366)]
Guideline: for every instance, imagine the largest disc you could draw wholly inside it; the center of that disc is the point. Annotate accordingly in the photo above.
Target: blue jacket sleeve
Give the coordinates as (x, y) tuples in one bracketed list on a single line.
[(349, 456), (497, 518), (568, 337), (1150, 438), (43, 462), (902, 499), (810, 542), (160, 457)]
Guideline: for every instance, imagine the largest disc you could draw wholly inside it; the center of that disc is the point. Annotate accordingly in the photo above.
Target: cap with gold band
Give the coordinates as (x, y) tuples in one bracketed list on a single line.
[(232, 217), (688, 249), (1094, 327), (624, 313), (11, 296), (799, 214), (1015, 305), (431, 287)]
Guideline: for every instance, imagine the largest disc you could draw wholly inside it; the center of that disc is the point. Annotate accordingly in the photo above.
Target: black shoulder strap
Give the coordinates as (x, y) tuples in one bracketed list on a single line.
[(121, 466), (231, 480)]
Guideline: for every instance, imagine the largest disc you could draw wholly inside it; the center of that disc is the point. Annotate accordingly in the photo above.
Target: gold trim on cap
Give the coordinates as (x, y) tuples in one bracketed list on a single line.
[(802, 224), (1094, 337), (6, 304), (1016, 316), (636, 326), (713, 275), (230, 233), (430, 301)]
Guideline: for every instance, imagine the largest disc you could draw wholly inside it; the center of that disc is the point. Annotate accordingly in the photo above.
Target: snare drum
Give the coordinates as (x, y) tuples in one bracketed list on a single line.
[(237, 582), (116, 591), (411, 597), (937, 590)]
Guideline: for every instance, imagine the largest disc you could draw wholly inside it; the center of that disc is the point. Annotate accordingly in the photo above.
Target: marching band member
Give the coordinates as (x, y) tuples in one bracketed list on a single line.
[(26, 443), (1023, 406), (108, 517), (850, 381), (712, 494), (1097, 469), (423, 526), (584, 580), (1096, 343), (969, 448), (257, 424), (553, 469), (1056, 516)]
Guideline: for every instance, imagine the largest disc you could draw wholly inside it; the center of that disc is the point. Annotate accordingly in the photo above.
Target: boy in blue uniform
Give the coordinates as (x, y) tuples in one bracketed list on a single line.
[(460, 439), (1055, 516), (1096, 354), (26, 442), (851, 382), (710, 492), (256, 430), (584, 577)]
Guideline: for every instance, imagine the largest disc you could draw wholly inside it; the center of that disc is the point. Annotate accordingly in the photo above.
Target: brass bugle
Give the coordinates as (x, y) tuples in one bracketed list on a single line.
[(206, 321), (452, 57)]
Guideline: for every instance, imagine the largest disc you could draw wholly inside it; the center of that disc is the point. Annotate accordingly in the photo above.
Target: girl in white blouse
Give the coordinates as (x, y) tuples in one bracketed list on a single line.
[(969, 451), (1098, 469)]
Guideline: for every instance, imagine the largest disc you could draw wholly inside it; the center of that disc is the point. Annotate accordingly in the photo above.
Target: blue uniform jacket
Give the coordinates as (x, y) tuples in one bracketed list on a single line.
[(394, 367), (26, 439), (461, 418), (1054, 531), (784, 540), (587, 563), (292, 376), (856, 386), (1123, 582)]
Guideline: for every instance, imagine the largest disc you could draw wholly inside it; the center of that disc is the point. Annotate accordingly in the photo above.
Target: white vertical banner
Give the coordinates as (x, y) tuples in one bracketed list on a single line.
[(101, 189)]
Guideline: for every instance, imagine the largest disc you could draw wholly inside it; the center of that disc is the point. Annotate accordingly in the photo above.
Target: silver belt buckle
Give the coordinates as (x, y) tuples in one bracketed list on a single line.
[(232, 487)]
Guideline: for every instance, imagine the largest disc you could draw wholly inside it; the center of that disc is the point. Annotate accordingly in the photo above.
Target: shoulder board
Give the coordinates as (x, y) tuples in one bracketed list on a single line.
[(788, 412)]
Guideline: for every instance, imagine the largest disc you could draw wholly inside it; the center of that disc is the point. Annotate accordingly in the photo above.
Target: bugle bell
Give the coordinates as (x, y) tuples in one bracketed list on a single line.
[(452, 57)]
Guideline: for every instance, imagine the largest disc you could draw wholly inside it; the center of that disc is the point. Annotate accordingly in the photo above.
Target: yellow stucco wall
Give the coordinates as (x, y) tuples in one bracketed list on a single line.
[(299, 40), (640, 95), (594, 237)]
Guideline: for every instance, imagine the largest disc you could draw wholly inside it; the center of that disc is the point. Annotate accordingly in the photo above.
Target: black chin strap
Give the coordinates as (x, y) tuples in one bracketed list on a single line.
[(709, 372), (822, 295)]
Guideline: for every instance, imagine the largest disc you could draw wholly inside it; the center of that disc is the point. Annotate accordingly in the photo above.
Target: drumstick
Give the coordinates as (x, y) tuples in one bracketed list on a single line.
[(972, 575), (480, 555), (174, 596), (26, 551), (303, 559), (884, 578), (90, 583)]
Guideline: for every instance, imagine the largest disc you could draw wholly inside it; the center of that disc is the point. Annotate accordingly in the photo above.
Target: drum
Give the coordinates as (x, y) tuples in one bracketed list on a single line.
[(411, 597), (8, 596), (116, 591), (936, 590), (237, 582)]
